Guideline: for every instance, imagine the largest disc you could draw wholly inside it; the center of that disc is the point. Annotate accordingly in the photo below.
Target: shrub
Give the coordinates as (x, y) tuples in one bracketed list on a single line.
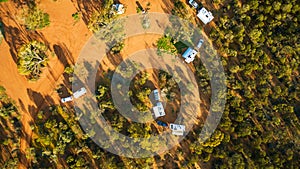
[(138, 10), (117, 47), (36, 19), (76, 16), (69, 70), (165, 45)]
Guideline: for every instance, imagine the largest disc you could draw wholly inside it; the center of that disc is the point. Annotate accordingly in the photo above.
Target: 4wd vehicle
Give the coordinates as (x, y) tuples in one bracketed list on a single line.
[(66, 99), (200, 43), (193, 3), (162, 123)]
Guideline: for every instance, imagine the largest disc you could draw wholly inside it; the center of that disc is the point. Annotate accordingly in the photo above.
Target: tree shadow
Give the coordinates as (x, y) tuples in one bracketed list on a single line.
[(22, 105), (139, 5), (4, 154), (103, 77), (15, 39), (38, 36), (36, 97), (168, 3), (38, 100), (99, 78), (49, 100), (22, 155), (169, 161), (6, 125), (20, 2), (63, 54), (32, 110), (28, 3), (115, 59)]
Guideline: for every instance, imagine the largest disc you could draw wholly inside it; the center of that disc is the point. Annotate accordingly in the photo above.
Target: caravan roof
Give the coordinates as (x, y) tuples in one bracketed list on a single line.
[(205, 16), (159, 110), (79, 93), (156, 95), (177, 129), (119, 8), (189, 55)]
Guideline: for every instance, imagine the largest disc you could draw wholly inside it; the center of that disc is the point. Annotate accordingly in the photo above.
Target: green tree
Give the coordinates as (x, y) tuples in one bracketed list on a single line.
[(234, 69), (117, 48), (69, 70), (255, 35), (165, 45), (102, 17), (143, 95), (36, 19), (180, 9), (76, 16), (31, 59)]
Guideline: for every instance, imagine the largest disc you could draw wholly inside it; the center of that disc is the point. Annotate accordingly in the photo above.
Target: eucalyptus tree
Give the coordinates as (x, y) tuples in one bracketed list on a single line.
[(32, 57)]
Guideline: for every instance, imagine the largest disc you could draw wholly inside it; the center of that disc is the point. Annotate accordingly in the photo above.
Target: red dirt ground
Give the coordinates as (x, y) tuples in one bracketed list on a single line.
[(63, 35)]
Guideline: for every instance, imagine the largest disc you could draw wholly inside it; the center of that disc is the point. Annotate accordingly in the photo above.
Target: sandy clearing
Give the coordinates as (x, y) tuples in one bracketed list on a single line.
[(63, 37)]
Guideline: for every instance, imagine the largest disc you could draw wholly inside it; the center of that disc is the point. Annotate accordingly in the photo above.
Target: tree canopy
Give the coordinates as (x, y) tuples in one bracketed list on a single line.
[(32, 57), (35, 18)]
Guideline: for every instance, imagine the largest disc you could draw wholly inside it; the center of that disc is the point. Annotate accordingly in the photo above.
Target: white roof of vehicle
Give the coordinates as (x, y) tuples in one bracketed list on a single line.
[(156, 95), (66, 99), (193, 3), (159, 110), (200, 43), (177, 129), (189, 55), (205, 16), (79, 93), (119, 8)]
